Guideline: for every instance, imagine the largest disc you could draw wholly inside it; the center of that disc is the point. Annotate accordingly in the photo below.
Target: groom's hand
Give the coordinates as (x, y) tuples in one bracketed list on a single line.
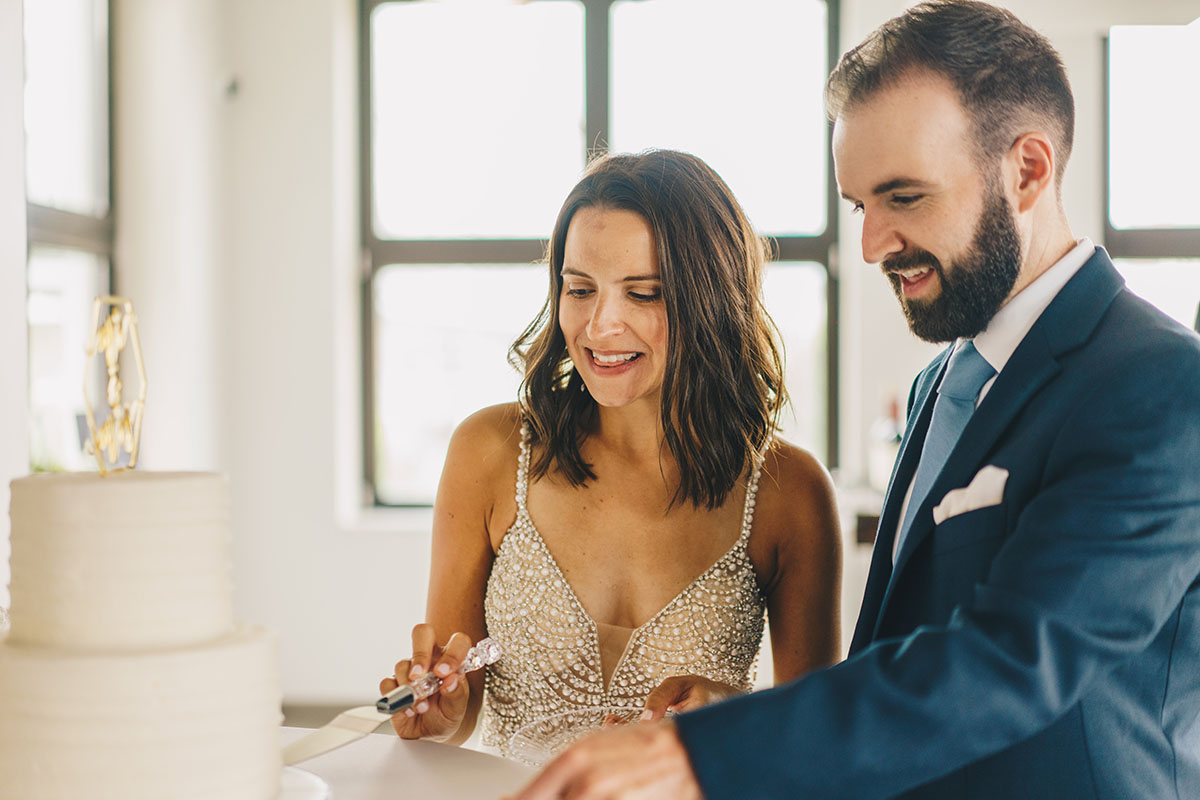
[(628, 762)]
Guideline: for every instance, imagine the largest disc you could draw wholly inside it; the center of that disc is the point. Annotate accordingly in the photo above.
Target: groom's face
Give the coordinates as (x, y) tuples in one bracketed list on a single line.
[(942, 230)]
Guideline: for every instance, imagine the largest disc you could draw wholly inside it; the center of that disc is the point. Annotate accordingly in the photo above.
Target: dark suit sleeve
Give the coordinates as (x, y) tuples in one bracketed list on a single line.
[(1096, 562)]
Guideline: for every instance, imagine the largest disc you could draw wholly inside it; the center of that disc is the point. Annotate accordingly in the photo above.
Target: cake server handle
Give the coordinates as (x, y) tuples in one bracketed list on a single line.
[(355, 723), (486, 651)]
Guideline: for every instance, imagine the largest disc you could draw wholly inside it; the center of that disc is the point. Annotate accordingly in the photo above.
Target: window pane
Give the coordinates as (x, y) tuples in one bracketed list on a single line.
[(738, 84), (477, 117), (442, 335), (1173, 286), (1153, 122), (62, 287), (66, 105), (795, 298)]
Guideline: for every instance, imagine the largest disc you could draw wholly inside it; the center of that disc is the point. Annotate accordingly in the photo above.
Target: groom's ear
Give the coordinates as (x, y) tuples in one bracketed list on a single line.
[(1029, 169)]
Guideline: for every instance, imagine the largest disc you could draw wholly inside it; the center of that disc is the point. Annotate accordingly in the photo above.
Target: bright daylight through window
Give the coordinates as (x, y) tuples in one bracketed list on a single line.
[(480, 118), (1153, 208), (70, 219)]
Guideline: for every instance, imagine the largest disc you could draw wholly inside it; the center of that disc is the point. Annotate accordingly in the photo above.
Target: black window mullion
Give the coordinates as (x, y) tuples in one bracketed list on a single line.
[(597, 90), (57, 228), (369, 260), (457, 251)]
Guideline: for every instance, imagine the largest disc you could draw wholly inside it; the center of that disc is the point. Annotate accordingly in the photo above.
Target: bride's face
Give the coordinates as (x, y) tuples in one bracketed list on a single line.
[(611, 309)]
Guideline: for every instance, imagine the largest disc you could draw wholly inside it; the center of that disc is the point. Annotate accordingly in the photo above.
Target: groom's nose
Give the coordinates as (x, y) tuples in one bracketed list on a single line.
[(880, 238)]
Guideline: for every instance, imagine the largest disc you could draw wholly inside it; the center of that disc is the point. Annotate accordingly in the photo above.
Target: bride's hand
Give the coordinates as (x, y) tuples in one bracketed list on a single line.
[(684, 693), (439, 715)]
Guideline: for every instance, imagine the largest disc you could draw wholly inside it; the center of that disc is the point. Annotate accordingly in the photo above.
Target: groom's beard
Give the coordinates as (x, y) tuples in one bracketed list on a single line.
[(975, 286)]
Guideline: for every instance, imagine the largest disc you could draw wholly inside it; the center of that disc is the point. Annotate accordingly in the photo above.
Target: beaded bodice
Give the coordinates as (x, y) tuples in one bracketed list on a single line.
[(552, 659)]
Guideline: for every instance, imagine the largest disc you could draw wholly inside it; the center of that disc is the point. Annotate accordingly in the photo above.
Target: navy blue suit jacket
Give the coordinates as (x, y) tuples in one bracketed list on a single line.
[(1044, 647)]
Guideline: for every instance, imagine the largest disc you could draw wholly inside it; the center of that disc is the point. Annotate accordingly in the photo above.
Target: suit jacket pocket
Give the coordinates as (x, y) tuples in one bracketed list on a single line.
[(969, 529)]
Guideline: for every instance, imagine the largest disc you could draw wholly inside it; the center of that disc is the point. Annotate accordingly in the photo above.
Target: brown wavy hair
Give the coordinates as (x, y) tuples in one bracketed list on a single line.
[(1009, 78), (723, 388)]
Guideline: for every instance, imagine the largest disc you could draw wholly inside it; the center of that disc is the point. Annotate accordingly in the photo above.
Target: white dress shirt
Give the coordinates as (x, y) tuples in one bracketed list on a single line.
[(1010, 325)]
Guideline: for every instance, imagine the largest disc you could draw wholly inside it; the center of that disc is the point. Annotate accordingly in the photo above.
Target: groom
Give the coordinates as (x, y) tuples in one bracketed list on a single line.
[(1031, 621)]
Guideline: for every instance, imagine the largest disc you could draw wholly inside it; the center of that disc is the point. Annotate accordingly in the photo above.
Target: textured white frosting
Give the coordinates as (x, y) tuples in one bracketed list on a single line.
[(123, 675), (129, 560), (189, 722)]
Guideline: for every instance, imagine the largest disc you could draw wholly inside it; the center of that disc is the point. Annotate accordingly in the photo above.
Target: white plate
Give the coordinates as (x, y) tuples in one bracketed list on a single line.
[(296, 784)]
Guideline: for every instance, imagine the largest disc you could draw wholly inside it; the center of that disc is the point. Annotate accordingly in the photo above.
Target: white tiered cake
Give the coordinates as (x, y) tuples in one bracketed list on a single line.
[(124, 675)]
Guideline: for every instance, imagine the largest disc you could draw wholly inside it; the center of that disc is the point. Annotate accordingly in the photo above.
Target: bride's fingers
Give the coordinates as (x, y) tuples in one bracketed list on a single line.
[(453, 654), (424, 643), (401, 671)]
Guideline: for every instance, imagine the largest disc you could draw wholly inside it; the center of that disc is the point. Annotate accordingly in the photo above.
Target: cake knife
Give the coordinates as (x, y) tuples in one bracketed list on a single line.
[(355, 723)]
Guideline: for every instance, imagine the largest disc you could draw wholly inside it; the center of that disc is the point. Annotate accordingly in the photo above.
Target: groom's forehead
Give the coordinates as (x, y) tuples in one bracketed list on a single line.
[(908, 127)]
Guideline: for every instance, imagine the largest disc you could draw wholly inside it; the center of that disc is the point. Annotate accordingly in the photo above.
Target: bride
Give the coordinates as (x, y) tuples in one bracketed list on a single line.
[(630, 519)]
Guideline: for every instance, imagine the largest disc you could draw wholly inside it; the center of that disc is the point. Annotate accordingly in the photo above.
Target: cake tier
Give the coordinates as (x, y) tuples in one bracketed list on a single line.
[(131, 560), (194, 722)]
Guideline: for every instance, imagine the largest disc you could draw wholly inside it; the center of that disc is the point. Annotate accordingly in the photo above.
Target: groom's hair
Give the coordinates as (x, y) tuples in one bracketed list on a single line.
[(1009, 78)]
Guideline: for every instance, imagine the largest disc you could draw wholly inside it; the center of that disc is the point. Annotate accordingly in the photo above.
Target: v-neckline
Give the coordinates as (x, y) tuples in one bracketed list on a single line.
[(523, 511)]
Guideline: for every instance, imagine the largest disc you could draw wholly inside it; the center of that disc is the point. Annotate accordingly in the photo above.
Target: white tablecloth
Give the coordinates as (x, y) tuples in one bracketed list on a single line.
[(383, 766)]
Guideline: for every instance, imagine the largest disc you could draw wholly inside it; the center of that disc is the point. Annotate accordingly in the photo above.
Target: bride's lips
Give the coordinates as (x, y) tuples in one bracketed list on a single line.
[(612, 362)]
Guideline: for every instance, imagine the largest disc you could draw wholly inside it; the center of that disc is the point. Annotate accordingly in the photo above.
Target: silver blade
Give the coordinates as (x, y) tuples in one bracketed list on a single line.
[(346, 727)]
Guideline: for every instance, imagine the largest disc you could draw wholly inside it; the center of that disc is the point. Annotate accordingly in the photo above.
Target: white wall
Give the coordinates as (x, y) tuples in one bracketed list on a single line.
[(237, 238), (168, 118), (14, 437)]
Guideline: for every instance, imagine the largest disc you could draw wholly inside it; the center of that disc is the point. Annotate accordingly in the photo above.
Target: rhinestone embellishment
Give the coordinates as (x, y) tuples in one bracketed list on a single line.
[(551, 661)]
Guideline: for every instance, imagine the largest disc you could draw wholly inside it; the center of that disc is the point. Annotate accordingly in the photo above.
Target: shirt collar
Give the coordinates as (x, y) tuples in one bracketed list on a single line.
[(1014, 319)]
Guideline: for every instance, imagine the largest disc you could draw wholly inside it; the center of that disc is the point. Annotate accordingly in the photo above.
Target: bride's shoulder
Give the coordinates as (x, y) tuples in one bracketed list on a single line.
[(488, 437), (790, 467), (795, 486)]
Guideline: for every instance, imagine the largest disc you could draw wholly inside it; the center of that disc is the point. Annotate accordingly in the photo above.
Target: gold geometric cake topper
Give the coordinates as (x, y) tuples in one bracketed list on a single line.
[(123, 428)]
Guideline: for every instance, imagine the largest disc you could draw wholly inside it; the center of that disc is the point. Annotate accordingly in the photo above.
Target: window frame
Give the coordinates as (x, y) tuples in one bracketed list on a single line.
[(819, 249), (47, 226), (1147, 243)]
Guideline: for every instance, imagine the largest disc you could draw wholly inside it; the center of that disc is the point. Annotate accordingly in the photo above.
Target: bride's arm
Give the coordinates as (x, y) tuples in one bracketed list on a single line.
[(469, 517), (799, 525)]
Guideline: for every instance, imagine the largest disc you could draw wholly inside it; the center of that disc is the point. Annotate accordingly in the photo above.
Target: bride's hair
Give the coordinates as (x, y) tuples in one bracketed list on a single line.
[(723, 384)]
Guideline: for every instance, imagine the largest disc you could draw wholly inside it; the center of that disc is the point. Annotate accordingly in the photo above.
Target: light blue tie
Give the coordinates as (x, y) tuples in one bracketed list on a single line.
[(966, 375)]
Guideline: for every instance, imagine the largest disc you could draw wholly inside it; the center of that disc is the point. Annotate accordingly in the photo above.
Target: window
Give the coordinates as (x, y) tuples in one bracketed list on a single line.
[(69, 207), (478, 118), (1152, 212)]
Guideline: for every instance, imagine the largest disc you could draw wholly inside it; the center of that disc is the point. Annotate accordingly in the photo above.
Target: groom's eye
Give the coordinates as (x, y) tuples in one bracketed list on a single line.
[(905, 199)]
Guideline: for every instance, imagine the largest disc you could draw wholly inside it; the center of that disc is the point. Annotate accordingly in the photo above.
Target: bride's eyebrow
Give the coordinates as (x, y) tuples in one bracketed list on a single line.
[(628, 279)]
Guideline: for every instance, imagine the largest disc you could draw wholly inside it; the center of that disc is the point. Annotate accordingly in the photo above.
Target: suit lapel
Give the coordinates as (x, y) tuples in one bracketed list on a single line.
[(1023, 376), (1066, 323), (902, 475)]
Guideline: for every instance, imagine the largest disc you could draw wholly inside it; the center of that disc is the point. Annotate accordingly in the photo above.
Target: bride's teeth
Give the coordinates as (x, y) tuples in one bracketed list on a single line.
[(613, 359)]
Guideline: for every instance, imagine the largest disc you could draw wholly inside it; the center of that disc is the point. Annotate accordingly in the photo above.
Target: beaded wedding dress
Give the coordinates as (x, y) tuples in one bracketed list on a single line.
[(557, 658)]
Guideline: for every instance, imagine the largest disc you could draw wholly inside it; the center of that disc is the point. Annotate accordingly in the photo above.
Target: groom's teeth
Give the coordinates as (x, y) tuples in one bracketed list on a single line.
[(915, 272), (613, 359)]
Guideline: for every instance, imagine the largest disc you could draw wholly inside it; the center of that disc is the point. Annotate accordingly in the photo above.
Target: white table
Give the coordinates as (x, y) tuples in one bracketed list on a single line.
[(383, 766)]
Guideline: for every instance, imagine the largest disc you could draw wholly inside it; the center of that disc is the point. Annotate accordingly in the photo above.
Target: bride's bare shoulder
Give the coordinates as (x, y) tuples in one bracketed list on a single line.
[(796, 497), (489, 437), (496, 423)]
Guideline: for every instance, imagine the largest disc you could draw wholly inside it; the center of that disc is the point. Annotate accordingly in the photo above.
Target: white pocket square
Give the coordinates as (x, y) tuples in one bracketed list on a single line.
[(985, 489)]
